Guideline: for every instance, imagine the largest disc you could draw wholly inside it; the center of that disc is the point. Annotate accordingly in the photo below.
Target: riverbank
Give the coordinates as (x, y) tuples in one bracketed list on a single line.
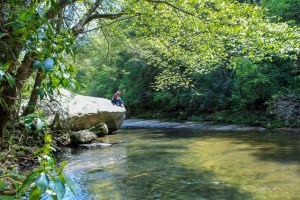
[(208, 126)]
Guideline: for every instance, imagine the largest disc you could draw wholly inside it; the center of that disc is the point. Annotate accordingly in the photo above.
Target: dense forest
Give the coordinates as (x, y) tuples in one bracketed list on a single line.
[(224, 69), (218, 60)]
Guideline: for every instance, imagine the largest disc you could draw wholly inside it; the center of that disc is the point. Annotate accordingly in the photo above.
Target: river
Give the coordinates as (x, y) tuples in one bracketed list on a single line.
[(188, 164)]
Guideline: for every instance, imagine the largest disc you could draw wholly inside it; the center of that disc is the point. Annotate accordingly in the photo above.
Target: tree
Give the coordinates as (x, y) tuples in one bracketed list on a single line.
[(38, 34)]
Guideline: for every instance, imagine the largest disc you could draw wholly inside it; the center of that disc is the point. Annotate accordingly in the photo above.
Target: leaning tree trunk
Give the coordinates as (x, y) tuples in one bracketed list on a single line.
[(30, 108)]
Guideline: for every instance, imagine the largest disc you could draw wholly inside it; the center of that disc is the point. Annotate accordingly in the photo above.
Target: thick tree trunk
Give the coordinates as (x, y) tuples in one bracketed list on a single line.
[(5, 115), (2, 127), (9, 94), (30, 108)]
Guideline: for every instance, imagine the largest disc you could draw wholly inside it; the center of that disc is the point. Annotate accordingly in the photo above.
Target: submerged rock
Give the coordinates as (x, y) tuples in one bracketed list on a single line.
[(100, 129), (82, 137), (95, 145)]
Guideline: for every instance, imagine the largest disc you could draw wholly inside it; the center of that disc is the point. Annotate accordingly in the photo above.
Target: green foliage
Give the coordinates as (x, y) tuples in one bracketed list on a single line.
[(246, 117), (191, 57), (5, 75), (39, 181), (13, 178), (34, 125), (284, 10), (29, 32), (166, 100), (97, 70), (46, 180), (254, 84)]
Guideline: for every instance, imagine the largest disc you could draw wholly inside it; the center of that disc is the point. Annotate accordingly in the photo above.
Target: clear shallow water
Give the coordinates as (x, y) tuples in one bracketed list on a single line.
[(188, 164)]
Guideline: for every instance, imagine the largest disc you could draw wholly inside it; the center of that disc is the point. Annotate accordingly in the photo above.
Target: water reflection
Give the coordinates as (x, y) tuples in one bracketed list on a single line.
[(188, 164)]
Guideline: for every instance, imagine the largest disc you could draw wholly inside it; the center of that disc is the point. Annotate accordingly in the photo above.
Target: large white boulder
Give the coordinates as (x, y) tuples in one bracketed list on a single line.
[(78, 112)]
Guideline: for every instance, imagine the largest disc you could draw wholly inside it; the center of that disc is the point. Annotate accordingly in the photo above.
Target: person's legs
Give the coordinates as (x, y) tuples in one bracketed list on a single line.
[(119, 102)]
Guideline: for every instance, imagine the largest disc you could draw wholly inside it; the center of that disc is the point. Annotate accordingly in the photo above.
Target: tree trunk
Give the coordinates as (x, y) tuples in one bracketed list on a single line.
[(5, 115), (2, 127), (9, 94), (30, 108)]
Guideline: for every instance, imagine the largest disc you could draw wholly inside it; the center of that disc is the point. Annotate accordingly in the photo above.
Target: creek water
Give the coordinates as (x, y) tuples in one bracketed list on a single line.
[(188, 164)]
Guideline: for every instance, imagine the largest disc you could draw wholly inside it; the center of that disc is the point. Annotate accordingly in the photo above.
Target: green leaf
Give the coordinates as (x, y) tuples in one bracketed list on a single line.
[(3, 185), (59, 188), (28, 122), (30, 178), (10, 80), (63, 164), (35, 194), (2, 35), (5, 197), (48, 138), (54, 197), (70, 184), (21, 30), (37, 64), (72, 85), (50, 91), (51, 29), (16, 25), (18, 176), (43, 182), (6, 65), (50, 162), (55, 82), (65, 83), (42, 94)]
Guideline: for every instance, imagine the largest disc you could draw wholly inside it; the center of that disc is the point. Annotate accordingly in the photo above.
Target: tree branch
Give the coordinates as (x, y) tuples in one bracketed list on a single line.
[(171, 5), (105, 25), (105, 16), (78, 28)]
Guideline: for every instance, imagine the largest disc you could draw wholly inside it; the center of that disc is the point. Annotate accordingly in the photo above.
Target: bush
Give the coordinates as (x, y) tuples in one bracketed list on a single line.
[(286, 107)]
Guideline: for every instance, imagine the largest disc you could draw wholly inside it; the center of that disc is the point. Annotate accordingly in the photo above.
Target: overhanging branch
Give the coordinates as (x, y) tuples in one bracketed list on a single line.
[(78, 28), (104, 16), (171, 5)]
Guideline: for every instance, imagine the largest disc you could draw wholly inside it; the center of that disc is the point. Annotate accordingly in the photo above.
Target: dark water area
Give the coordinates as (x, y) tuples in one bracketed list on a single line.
[(188, 164)]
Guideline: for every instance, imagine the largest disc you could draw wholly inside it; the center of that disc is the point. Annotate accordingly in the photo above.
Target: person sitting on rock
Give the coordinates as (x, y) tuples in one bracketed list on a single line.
[(117, 98)]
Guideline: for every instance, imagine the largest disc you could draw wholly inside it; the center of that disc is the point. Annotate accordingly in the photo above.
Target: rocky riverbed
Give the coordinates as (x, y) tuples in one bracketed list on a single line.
[(207, 126), (140, 123)]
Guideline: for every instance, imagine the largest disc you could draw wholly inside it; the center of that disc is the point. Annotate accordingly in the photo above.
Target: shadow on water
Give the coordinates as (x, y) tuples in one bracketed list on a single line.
[(150, 172), (158, 177)]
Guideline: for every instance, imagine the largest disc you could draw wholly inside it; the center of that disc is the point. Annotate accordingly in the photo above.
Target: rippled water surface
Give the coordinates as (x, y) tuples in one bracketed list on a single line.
[(188, 164)]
